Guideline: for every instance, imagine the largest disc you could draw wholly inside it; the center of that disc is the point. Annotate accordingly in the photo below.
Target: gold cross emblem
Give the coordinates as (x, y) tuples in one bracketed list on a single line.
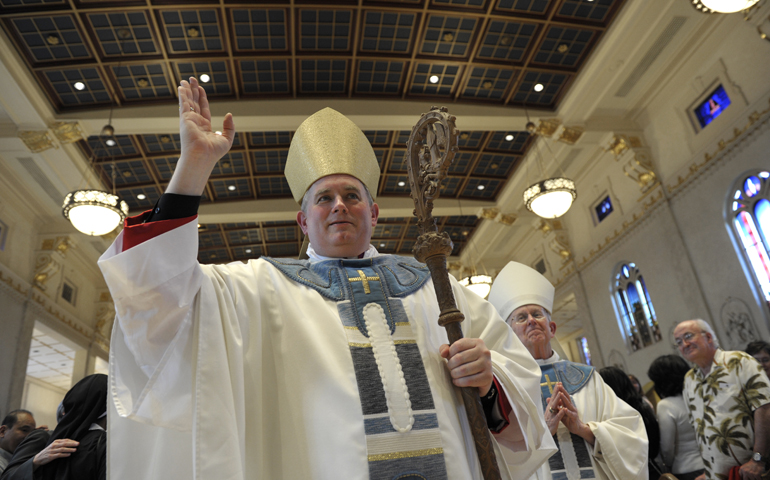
[(365, 280), (549, 383)]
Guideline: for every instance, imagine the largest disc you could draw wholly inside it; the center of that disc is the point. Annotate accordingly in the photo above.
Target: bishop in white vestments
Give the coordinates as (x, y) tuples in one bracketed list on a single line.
[(598, 435), (327, 368)]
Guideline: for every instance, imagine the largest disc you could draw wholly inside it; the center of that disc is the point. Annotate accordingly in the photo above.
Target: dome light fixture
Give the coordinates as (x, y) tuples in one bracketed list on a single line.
[(94, 212), (722, 6), (550, 198), (478, 284)]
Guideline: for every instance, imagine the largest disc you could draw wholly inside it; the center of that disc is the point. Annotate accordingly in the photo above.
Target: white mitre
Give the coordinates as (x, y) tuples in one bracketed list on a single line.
[(517, 285)]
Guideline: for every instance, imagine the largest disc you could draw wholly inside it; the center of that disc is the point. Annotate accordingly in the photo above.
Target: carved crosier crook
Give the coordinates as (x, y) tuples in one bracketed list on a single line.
[(431, 149)]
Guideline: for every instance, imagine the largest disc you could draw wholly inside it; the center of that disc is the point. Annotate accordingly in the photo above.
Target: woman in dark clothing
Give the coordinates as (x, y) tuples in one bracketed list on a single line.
[(76, 450), (619, 382)]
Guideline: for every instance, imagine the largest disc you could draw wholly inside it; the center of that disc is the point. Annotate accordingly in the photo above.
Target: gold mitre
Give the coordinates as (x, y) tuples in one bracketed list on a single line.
[(328, 143)]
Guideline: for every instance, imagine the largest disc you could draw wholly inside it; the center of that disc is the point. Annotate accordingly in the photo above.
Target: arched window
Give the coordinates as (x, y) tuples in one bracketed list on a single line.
[(636, 316), (747, 213)]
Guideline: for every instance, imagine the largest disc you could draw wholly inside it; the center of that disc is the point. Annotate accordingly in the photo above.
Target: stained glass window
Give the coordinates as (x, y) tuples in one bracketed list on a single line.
[(636, 315), (585, 352), (712, 107), (747, 212)]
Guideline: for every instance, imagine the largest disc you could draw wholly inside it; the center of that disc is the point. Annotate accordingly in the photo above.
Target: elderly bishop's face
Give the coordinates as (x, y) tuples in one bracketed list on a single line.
[(339, 218), (532, 324)]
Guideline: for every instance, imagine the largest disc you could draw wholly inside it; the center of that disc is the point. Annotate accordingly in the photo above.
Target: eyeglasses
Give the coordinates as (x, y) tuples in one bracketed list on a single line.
[(524, 317), (687, 337)]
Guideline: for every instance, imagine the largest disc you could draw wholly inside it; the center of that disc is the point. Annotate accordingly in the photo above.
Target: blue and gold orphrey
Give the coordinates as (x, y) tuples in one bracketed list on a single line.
[(572, 459), (402, 433)]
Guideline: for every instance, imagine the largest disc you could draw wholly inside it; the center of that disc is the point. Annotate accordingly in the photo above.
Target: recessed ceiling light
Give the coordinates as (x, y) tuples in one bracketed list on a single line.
[(231, 187), (401, 184), (382, 245), (200, 226), (480, 187), (539, 87), (248, 250), (509, 138), (79, 85), (205, 78), (111, 143), (434, 79), (141, 196)]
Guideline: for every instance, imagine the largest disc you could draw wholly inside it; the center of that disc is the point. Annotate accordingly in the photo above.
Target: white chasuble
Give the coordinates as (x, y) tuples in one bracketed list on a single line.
[(240, 372), (620, 447)]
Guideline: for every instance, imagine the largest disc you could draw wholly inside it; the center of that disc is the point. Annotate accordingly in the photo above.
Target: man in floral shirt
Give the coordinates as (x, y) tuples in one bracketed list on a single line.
[(728, 396)]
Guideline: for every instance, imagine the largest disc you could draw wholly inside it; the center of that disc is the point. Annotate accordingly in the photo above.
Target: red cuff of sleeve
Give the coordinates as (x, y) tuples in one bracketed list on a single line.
[(502, 402), (136, 232)]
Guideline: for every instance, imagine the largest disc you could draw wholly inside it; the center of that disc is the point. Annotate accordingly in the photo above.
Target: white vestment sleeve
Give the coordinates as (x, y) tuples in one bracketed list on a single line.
[(527, 439), (154, 287), (620, 449)]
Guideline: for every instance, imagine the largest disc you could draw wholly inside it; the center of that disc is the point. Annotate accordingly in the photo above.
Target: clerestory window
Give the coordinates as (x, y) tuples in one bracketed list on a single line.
[(633, 306)]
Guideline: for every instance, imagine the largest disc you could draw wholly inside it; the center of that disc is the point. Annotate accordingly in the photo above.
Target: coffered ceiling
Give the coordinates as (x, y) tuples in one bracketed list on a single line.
[(88, 57), (135, 52)]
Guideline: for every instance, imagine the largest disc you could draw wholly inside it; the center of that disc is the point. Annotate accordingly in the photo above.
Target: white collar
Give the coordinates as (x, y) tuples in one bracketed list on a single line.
[(547, 361), (315, 257)]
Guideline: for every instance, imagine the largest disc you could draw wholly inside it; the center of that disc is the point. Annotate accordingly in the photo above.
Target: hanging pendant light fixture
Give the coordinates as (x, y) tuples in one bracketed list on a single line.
[(478, 284), (722, 6), (550, 198), (96, 212)]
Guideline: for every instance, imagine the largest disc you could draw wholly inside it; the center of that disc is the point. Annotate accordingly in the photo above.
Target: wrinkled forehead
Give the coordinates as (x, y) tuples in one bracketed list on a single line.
[(686, 327), (347, 182), (530, 308)]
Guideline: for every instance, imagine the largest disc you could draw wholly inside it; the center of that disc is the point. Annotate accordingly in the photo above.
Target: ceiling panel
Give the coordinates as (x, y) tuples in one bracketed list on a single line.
[(481, 51)]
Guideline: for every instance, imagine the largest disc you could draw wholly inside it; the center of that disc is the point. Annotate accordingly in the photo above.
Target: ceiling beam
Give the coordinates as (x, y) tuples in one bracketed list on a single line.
[(286, 209), (280, 115)]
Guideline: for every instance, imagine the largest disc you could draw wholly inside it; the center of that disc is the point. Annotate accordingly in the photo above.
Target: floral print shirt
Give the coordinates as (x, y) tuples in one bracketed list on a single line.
[(721, 407)]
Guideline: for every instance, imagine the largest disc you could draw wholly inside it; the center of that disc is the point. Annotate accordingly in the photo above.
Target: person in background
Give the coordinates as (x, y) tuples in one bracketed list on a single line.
[(77, 448), (619, 382), (728, 400), (761, 351), (15, 427), (638, 387), (678, 445)]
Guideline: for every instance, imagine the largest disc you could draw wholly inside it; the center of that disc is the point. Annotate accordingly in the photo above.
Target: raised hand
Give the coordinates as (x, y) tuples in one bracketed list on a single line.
[(201, 146)]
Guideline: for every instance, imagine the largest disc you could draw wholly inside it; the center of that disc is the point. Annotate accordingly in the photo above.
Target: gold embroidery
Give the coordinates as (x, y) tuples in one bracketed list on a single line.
[(402, 324), (365, 280), (549, 383), (413, 453), (395, 342)]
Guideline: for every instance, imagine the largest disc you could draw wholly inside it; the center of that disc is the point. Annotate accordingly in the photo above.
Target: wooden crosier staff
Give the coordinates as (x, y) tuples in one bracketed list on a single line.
[(431, 148)]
